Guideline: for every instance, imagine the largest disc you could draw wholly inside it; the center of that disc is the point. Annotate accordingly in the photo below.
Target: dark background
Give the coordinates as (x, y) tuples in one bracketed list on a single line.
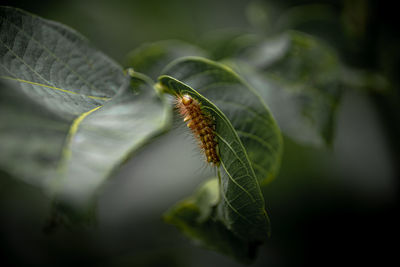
[(329, 206)]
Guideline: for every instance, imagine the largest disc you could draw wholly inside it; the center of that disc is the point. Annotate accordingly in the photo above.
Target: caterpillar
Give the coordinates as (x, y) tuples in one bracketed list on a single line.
[(201, 124)]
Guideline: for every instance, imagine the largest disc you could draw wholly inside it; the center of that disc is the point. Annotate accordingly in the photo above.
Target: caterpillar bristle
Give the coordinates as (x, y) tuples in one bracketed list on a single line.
[(201, 125)]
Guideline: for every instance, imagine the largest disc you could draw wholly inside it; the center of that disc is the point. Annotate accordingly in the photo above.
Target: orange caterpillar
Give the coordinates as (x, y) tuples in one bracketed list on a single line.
[(201, 125)]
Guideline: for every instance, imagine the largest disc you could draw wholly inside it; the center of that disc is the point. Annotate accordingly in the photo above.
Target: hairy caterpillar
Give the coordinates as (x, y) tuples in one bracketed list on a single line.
[(201, 125)]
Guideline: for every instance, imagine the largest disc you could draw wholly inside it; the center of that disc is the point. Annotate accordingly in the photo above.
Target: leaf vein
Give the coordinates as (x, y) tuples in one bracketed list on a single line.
[(23, 62), (52, 54), (265, 120), (232, 208), (230, 148), (257, 139), (235, 182)]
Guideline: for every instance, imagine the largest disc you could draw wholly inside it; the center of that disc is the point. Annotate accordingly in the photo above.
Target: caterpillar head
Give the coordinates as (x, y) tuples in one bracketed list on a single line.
[(187, 100)]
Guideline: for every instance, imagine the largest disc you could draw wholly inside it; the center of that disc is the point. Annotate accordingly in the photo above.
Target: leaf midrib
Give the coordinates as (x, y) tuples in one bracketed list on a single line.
[(52, 87), (73, 129)]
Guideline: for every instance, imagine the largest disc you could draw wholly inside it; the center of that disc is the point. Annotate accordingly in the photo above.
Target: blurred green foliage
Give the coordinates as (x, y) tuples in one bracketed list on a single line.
[(327, 206)]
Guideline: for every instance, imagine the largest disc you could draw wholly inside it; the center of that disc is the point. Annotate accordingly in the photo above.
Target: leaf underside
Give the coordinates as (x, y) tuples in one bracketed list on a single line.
[(247, 135), (242, 106), (68, 113)]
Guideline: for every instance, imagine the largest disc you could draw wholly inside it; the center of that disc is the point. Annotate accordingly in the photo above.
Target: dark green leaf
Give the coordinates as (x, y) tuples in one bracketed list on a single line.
[(242, 106), (68, 113), (153, 57), (194, 217), (247, 135), (242, 204)]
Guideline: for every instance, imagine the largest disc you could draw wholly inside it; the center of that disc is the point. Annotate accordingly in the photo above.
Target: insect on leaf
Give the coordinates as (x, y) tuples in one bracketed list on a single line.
[(240, 119)]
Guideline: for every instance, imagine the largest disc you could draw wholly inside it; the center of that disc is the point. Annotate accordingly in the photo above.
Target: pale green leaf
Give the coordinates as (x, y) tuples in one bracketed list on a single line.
[(68, 113)]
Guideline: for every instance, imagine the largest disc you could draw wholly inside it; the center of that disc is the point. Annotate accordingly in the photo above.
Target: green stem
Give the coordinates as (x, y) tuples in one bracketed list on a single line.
[(219, 184)]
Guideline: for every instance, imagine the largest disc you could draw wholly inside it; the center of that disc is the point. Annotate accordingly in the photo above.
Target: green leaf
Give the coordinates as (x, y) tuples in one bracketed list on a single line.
[(152, 58), (55, 65), (107, 137), (32, 136), (68, 114), (228, 43), (243, 107), (194, 217), (247, 134), (298, 76), (242, 205)]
